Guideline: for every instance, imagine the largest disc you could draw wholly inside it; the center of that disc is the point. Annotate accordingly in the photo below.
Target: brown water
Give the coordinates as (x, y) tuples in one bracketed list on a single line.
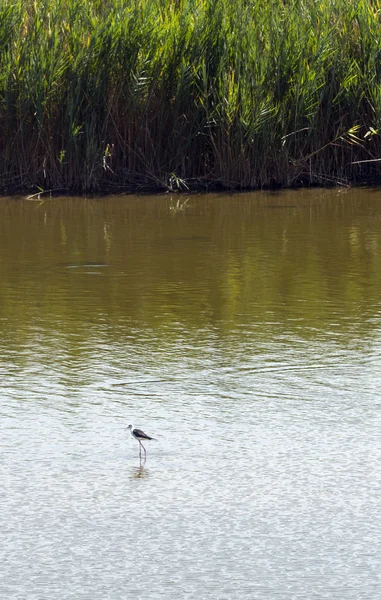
[(244, 333)]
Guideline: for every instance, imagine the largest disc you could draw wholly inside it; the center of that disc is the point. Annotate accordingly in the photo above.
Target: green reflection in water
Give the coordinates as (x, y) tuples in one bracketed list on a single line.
[(301, 260)]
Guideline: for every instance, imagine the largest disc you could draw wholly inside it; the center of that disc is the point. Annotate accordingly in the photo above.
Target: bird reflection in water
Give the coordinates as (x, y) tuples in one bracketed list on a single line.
[(139, 472)]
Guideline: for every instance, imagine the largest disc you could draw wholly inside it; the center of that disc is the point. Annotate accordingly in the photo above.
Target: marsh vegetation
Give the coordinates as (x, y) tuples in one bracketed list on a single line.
[(113, 94)]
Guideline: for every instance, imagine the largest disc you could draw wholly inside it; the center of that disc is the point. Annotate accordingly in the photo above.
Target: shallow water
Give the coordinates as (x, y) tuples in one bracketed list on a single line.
[(244, 333)]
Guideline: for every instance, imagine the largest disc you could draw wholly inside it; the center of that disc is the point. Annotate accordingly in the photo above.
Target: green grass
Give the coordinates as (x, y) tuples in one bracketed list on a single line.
[(111, 94)]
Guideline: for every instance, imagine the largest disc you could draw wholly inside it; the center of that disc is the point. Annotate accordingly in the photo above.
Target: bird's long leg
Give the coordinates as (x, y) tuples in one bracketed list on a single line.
[(140, 451), (145, 453)]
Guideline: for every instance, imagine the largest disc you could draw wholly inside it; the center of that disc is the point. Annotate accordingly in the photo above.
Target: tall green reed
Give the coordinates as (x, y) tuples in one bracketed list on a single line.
[(109, 94)]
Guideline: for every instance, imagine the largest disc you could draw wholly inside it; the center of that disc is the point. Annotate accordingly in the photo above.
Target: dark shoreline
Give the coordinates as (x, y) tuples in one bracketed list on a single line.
[(139, 190)]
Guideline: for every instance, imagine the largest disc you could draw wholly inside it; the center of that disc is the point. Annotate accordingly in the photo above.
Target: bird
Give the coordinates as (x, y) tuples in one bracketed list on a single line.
[(139, 435)]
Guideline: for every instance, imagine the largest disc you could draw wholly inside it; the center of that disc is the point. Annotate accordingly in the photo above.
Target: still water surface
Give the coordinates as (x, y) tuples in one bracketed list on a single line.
[(244, 333)]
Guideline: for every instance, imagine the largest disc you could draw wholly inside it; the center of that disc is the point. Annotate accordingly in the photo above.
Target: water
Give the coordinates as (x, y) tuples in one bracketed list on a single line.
[(244, 333)]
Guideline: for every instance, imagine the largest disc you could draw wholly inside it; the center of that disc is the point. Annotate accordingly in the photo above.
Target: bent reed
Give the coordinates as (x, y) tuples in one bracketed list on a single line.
[(102, 95)]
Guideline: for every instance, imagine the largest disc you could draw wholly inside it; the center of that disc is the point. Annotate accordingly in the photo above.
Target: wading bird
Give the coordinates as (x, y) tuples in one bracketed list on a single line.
[(139, 435)]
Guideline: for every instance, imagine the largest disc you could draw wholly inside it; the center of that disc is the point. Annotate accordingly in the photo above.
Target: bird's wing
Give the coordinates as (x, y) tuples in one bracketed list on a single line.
[(141, 434)]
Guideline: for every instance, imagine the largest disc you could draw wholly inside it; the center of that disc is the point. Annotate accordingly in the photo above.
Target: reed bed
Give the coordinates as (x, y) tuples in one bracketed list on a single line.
[(102, 95)]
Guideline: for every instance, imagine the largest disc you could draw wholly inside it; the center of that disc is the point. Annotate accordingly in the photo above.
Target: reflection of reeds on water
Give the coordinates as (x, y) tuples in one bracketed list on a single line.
[(184, 94)]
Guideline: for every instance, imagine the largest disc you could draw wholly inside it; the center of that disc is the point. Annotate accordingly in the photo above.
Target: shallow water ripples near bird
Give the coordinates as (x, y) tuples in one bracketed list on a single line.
[(243, 333)]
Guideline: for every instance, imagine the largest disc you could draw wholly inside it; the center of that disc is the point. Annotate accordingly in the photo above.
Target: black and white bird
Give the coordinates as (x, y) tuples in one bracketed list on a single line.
[(139, 435)]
